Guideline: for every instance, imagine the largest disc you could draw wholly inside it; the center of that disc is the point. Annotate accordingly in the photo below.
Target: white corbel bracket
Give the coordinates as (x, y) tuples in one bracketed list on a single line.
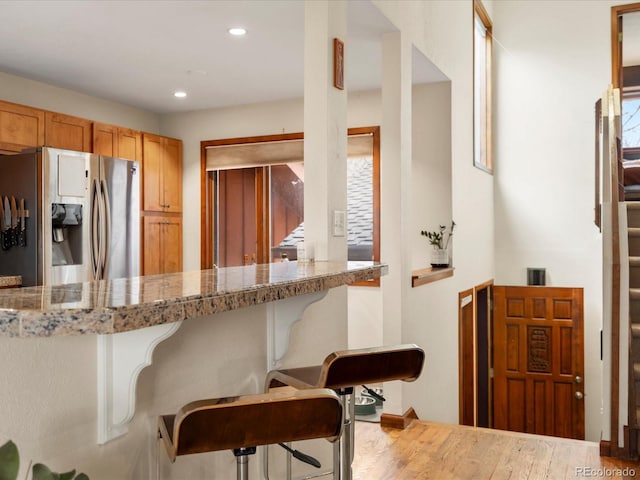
[(121, 358), (281, 316)]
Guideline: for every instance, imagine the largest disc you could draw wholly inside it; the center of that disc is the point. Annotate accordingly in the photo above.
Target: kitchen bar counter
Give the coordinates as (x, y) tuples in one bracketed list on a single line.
[(121, 305)]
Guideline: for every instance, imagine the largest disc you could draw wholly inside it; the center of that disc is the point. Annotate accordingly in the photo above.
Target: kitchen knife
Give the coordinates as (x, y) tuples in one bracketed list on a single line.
[(7, 239), (1, 224), (22, 234), (14, 221)]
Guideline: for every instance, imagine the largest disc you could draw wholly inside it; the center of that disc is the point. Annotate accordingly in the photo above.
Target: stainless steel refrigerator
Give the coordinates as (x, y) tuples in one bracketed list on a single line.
[(68, 217)]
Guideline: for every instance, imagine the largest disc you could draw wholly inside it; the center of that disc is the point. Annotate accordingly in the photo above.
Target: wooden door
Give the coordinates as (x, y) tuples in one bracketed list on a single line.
[(20, 127), (67, 132), (236, 217), (539, 360)]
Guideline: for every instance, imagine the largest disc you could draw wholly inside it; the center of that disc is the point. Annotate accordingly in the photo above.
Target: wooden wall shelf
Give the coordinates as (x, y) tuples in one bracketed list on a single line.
[(429, 275)]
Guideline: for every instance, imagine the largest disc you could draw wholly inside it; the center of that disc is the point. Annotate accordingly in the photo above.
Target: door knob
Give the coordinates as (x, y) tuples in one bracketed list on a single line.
[(578, 379), (579, 395)]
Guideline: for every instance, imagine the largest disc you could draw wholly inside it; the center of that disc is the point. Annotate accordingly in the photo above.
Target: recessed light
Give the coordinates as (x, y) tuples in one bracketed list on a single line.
[(180, 94), (237, 31)]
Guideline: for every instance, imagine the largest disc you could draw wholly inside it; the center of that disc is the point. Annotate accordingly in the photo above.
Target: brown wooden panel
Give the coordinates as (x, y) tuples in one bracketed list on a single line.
[(513, 345), (515, 307), (539, 349), (172, 175), (105, 141), (566, 351), (172, 244), (564, 404), (129, 144), (539, 414), (20, 127), (67, 132), (151, 172), (151, 245), (562, 309), (539, 306), (516, 406)]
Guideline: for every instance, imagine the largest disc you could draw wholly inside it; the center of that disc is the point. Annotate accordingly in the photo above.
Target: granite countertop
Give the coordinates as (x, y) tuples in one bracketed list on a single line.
[(112, 306), (14, 281)]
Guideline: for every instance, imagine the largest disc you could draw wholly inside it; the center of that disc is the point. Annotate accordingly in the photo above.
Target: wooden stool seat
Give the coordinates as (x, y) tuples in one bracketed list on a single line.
[(349, 368), (342, 371), (248, 421)]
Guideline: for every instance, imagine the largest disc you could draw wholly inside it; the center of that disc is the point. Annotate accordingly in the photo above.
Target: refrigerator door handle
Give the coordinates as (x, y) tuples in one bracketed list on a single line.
[(95, 229), (106, 233)]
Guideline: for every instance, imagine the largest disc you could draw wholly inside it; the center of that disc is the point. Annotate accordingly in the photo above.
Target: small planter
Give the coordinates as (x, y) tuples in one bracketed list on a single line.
[(439, 258)]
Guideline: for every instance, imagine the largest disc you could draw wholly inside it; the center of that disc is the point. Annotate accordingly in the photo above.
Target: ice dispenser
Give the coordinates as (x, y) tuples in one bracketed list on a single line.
[(66, 227)]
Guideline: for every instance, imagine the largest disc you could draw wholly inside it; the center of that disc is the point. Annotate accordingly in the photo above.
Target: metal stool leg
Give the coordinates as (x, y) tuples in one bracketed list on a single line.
[(342, 448), (242, 462)]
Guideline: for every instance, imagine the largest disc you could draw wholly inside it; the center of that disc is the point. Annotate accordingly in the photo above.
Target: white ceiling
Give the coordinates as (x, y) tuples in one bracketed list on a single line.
[(138, 52)]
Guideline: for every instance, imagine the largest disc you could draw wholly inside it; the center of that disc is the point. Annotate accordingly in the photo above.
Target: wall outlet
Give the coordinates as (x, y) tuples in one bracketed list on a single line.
[(339, 223)]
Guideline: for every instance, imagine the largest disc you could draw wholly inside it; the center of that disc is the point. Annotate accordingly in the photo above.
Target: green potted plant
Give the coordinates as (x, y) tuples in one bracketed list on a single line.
[(440, 240), (10, 466)]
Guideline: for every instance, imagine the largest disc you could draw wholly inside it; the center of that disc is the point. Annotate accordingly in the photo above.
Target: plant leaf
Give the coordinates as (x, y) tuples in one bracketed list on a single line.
[(68, 475), (82, 476), (42, 472), (9, 461)]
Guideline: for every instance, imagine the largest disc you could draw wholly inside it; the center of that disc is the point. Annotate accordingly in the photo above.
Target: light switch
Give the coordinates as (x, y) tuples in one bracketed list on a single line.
[(339, 223)]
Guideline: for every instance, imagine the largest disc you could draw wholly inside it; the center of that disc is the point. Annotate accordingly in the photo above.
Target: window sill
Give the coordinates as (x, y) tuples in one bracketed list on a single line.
[(429, 275)]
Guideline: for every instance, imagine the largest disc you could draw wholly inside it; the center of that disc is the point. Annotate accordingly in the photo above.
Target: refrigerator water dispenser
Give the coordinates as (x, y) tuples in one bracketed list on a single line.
[(66, 225)]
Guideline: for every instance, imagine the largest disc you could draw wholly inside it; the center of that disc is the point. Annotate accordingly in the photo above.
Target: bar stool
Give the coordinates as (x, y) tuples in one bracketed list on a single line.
[(243, 423), (342, 371)]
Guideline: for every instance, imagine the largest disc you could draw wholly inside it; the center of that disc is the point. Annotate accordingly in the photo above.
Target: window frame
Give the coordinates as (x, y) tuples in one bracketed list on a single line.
[(207, 189), (485, 162)]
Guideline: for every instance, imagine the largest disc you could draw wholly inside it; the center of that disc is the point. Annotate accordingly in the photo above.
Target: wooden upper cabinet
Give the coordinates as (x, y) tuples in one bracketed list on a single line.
[(129, 144), (105, 139), (118, 142), (20, 127), (67, 132), (161, 173)]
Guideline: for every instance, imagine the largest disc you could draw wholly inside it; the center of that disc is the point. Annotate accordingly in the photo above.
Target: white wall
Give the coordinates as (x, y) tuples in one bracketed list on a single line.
[(40, 95), (552, 62), (441, 30)]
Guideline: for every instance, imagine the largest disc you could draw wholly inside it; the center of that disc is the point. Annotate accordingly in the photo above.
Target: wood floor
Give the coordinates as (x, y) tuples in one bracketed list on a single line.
[(427, 450)]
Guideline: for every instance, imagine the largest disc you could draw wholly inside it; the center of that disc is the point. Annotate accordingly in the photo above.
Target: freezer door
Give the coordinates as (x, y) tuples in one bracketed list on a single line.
[(120, 186), (67, 179)]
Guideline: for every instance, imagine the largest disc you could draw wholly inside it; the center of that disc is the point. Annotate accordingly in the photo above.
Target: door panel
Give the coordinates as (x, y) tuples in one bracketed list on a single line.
[(236, 216), (538, 353)]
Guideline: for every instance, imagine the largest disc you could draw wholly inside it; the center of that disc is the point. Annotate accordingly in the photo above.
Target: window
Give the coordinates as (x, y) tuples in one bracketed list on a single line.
[(254, 197), (482, 116), (631, 121)]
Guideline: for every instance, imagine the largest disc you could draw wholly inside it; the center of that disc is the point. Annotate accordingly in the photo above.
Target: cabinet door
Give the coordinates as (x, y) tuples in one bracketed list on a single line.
[(152, 245), (67, 132), (20, 127), (105, 139), (172, 175), (172, 245), (129, 144), (151, 173)]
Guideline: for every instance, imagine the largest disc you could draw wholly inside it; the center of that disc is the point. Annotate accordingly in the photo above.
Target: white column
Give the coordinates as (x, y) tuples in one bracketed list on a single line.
[(395, 184), (325, 129)]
